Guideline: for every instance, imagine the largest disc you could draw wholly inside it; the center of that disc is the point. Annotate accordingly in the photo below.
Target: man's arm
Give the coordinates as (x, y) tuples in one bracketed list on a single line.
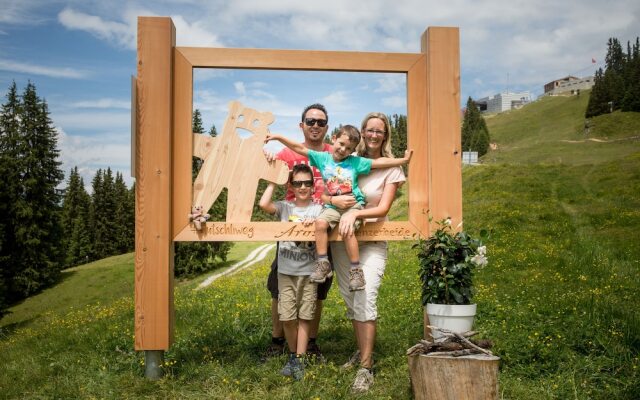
[(266, 203), (295, 146), (386, 162)]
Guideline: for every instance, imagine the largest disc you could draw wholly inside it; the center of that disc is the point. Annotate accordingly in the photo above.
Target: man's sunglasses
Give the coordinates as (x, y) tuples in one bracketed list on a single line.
[(298, 184), (312, 121)]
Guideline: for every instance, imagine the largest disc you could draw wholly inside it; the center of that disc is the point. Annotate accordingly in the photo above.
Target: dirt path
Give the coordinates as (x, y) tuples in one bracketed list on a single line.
[(255, 256)]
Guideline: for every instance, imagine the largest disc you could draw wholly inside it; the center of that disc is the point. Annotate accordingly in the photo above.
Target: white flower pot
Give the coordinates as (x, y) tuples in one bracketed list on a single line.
[(455, 317)]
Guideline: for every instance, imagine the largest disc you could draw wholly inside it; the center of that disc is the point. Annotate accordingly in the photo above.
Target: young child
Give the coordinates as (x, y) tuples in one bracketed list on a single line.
[(340, 172), (297, 294)]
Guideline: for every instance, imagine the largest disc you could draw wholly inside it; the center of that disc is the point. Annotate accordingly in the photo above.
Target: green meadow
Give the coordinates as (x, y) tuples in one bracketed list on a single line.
[(558, 298)]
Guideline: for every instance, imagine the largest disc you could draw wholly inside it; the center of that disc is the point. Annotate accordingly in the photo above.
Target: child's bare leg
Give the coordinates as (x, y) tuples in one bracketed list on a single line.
[(291, 334), (356, 276), (322, 236), (351, 246), (304, 327)]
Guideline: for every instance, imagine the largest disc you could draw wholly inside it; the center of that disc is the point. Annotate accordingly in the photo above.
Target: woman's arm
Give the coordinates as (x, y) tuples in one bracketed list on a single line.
[(381, 210), (295, 146), (266, 203)]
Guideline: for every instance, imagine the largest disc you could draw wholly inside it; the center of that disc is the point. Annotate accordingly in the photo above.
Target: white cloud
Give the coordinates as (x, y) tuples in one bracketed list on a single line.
[(339, 101), (116, 33), (124, 33), (97, 121), (194, 34), (390, 83), (53, 72), (240, 89), (89, 153), (103, 103), (395, 101)]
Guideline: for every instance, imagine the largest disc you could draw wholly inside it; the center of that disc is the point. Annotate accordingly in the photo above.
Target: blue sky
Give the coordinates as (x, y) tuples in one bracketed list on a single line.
[(81, 55)]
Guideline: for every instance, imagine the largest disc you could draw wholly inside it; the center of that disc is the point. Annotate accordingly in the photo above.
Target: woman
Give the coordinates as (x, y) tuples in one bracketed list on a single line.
[(380, 188)]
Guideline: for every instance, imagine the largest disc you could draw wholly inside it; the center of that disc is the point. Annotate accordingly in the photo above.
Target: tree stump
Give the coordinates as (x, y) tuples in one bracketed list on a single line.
[(438, 377)]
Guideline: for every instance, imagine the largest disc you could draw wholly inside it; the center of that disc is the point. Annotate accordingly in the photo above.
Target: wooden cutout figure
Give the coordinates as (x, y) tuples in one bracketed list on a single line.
[(235, 163)]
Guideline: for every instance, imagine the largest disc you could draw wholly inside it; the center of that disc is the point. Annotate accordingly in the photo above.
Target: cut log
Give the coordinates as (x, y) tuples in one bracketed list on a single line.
[(437, 377)]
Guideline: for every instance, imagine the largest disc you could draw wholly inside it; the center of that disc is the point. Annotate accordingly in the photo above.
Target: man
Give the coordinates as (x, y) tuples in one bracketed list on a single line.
[(314, 126)]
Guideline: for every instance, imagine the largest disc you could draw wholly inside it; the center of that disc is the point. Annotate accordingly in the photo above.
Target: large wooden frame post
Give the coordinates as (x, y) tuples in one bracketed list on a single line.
[(154, 237), (165, 147)]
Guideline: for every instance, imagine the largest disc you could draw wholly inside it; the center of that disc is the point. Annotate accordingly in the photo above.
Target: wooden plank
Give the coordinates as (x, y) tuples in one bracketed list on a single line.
[(441, 46), (309, 60), (417, 138), (154, 246), (274, 231), (182, 142)]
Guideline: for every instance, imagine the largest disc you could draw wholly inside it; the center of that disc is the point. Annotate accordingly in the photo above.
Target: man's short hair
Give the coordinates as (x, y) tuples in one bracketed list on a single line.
[(351, 131), (300, 168), (315, 106)]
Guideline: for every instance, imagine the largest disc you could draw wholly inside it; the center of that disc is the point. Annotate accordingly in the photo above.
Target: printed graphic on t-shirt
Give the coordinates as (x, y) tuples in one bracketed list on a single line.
[(339, 179)]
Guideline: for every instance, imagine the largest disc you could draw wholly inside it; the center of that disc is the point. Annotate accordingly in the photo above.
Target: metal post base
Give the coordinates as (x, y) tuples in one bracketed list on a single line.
[(153, 360)]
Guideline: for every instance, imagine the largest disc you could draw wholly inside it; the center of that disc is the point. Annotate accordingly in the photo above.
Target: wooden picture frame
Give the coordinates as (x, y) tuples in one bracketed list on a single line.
[(164, 150)]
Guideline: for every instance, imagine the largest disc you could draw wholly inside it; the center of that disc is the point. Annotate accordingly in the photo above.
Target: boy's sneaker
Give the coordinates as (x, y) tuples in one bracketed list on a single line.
[(352, 361), (322, 272), (273, 350), (356, 279), (314, 354), (287, 370), (363, 381), (297, 369)]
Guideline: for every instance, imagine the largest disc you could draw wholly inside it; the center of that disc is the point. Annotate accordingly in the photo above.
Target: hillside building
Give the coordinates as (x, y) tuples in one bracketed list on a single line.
[(503, 102), (568, 85)]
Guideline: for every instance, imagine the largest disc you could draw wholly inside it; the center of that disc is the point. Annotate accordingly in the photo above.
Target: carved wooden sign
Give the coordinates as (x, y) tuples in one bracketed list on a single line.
[(235, 163)]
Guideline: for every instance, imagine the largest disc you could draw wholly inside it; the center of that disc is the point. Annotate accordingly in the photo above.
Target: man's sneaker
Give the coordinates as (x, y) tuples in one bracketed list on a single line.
[(356, 279), (273, 350), (314, 354), (322, 272), (363, 381), (352, 361), (287, 370)]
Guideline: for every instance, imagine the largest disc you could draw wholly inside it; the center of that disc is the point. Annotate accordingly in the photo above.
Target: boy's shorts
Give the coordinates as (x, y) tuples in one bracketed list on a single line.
[(333, 215), (297, 298), (272, 280)]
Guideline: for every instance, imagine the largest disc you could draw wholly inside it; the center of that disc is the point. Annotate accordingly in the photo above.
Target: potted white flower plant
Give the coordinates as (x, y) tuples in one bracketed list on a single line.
[(447, 263)]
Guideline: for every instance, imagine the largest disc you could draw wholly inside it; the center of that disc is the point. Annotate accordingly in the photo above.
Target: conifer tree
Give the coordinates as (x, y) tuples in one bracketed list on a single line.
[(123, 221), (103, 202), (9, 192), (475, 134), (75, 224), (618, 87), (631, 99), (598, 101), (37, 253), (398, 134)]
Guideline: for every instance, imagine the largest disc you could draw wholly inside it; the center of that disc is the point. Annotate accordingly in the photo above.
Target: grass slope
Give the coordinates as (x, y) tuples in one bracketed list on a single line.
[(559, 296), (552, 131)]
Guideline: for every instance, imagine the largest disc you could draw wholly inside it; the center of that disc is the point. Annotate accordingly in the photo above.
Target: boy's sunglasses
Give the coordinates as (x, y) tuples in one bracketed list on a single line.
[(312, 121), (298, 184)]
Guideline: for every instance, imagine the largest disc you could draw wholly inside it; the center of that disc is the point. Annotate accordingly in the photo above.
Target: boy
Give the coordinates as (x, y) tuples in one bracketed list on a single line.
[(340, 172), (297, 294)]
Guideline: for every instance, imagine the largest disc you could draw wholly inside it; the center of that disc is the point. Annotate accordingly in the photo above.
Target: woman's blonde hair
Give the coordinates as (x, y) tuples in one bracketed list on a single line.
[(361, 150)]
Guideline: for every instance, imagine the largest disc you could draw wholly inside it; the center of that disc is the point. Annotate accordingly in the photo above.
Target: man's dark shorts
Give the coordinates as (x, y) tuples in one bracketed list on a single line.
[(272, 281)]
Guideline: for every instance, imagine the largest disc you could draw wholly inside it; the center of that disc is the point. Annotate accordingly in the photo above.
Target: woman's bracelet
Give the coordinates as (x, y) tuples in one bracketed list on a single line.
[(331, 200)]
